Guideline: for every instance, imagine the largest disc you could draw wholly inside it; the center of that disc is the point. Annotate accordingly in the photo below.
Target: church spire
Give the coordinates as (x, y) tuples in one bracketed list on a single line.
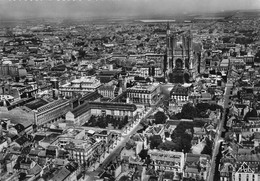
[(168, 30)]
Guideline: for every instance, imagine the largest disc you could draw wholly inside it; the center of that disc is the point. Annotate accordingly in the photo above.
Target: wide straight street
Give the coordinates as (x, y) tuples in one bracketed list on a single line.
[(220, 129), (108, 157)]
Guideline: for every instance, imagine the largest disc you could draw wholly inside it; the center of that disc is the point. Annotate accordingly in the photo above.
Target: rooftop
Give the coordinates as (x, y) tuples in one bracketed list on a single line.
[(87, 80), (61, 174), (17, 115), (34, 105), (145, 86), (50, 138)]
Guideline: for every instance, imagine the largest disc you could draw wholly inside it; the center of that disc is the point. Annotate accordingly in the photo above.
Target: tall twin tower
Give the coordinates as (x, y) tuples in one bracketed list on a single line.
[(179, 56)]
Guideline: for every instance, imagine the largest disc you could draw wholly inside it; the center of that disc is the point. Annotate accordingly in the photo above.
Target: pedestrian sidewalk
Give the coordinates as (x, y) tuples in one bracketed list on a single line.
[(135, 124)]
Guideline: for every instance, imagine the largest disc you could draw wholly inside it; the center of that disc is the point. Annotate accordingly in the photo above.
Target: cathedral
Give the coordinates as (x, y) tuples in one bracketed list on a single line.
[(180, 59)]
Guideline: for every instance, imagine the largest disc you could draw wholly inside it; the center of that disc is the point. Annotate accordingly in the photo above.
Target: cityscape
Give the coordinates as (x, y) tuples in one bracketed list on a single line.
[(131, 95)]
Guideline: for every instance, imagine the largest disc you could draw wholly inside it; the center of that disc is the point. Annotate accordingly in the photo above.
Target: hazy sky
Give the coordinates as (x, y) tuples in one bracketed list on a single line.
[(83, 8)]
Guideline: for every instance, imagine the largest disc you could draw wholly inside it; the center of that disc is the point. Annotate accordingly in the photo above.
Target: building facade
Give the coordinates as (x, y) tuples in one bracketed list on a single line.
[(109, 91), (180, 59), (167, 160), (81, 86), (147, 94), (82, 113), (245, 173), (51, 112)]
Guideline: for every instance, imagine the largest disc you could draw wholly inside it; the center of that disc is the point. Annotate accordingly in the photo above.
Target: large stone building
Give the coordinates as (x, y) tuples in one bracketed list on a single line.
[(38, 112), (197, 166), (80, 86), (82, 113), (85, 150), (9, 70), (181, 58), (167, 160), (245, 172), (51, 112), (180, 93), (179, 96), (110, 90), (147, 94)]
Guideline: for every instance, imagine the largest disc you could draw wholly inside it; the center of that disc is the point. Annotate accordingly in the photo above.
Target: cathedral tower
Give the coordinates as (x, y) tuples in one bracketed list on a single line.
[(179, 52)]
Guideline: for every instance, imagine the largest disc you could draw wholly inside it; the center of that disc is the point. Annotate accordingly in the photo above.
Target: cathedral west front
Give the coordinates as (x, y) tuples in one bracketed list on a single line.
[(180, 57)]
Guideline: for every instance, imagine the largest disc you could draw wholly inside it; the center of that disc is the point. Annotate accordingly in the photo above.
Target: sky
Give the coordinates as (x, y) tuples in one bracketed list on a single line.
[(116, 8)]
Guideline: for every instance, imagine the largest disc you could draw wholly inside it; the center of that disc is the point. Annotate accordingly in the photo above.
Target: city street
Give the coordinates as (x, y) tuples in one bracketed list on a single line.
[(220, 129), (105, 160), (90, 87)]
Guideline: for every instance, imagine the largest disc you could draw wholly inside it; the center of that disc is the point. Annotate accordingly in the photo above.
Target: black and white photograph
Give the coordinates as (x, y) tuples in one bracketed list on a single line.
[(129, 90)]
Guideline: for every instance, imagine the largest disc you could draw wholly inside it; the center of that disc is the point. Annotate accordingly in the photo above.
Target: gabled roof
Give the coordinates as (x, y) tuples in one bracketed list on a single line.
[(192, 170), (61, 174), (244, 151), (244, 168), (35, 170), (226, 167), (249, 158), (80, 110), (22, 140)]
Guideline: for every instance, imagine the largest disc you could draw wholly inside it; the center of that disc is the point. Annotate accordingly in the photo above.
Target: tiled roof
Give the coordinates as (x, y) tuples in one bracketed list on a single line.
[(22, 140), (35, 170), (113, 106), (249, 158), (52, 105), (244, 151), (34, 105), (61, 174), (80, 110), (192, 170), (192, 157)]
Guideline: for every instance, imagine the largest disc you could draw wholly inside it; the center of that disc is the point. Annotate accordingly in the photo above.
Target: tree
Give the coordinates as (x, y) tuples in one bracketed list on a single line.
[(155, 141), (160, 117), (143, 154), (22, 176), (168, 146), (214, 107), (130, 144), (208, 147), (202, 109), (186, 142), (148, 160), (188, 111), (125, 178), (101, 123), (181, 138)]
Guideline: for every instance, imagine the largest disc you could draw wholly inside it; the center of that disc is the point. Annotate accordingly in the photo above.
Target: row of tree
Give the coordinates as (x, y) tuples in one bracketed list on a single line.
[(189, 111), (104, 121), (181, 139), (200, 110)]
